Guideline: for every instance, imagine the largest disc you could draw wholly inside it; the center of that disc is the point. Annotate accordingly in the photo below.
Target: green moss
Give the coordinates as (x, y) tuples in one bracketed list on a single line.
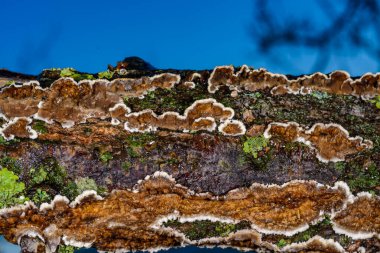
[(77, 76), (161, 100), (140, 139), (50, 173), (135, 143), (132, 152), (11, 164), (364, 179), (67, 72), (84, 184), (106, 157), (40, 126), (38, 175), (340, 166), (282, 243), (242, 160), (376, 101), (9, 82), (172, 161), (3, 141), (254, 95), (41, 196), (322, 228), (320, 95), (10, 190), (70, 190), (224, 229), (150, 94), (126, 165), (253, 145), (66, 249), (200, 229), (106, 74)]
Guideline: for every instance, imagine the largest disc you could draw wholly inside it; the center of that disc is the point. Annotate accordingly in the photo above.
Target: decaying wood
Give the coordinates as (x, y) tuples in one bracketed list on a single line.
[(297, 158)]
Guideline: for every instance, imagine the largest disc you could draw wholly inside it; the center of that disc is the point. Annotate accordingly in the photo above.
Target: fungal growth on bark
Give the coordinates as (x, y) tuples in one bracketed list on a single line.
[(331, 141), (201, 115), (142, 159), (338, 82)]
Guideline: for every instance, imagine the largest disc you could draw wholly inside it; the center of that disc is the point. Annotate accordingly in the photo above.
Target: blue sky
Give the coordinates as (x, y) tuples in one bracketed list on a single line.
[(187, 34)]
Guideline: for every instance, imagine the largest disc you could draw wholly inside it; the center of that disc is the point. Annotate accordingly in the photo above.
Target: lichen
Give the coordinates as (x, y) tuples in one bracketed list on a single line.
[(10, 189), (66, 249), (253, 145), (85, 183), (76, 75), (106, 74), (105, 157), (376, 101)]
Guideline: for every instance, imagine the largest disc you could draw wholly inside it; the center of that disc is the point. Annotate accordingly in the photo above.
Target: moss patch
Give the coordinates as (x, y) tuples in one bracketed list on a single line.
[(40, 126), (322, 228), (105, 157), (76, 75), (200, 229), (11, 164)]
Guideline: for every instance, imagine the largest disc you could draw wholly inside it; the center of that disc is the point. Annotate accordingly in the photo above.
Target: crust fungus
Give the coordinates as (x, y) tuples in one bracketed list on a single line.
[(21, 100), (138, 87), (134, 215), (232, 128), (191, 82), (274, 209), (360, 219), (69, 102), (18, 127), (331, 141), (337, 82), (201, 115), (118, 113), (315, 244)]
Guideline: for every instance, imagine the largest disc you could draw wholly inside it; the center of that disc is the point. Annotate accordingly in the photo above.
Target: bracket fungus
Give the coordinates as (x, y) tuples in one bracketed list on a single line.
[(201, 115), (18, 127), (337, 82), (271, 168), (331, 141)]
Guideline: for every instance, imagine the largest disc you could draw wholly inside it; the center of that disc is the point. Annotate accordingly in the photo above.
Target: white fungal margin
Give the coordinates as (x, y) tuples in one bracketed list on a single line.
[(301, 131), (84, 195), (69, 241), (296, 247), (50, 206), (235, 122)]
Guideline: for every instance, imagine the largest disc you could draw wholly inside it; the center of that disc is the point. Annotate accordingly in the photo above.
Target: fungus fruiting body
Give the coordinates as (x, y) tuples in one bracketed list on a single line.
[(337, 82), (331, 141), (257, 203), (256, 160)]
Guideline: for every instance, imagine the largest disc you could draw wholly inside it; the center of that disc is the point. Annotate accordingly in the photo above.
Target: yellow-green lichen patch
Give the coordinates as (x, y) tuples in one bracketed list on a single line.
[(11, 191)]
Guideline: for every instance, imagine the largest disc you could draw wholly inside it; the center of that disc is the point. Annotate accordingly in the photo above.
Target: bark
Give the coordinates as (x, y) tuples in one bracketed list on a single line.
[(206, 168)]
